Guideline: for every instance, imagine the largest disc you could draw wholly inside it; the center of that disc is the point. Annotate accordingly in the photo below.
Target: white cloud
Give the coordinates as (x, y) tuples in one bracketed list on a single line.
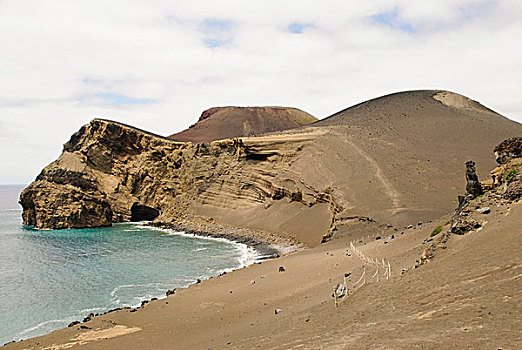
[(158, 64)]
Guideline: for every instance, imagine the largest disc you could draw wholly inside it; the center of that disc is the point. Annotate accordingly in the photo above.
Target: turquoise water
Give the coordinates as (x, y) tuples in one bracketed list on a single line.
[(51, 278)]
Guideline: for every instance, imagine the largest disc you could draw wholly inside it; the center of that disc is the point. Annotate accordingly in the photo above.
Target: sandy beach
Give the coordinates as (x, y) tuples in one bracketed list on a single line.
[(468, 296)]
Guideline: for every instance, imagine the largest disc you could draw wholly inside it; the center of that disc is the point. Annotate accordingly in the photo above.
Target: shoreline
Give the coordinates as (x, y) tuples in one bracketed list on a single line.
[(262, 248), (267, 245), (287, 302)]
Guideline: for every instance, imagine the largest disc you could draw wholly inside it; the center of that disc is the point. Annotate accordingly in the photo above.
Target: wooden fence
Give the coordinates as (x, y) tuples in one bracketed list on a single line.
[(382, 271)]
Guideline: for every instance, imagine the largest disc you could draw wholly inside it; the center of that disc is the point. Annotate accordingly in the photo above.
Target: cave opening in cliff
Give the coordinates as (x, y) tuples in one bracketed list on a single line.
[(259, 156), (140, 212)]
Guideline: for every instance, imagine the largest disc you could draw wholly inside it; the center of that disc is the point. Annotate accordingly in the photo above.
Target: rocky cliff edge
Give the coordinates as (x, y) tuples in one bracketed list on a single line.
[(389, 162)]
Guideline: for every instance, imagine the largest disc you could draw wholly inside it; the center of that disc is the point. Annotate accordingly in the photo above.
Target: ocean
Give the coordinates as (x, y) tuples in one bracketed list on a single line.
[(53, 277)]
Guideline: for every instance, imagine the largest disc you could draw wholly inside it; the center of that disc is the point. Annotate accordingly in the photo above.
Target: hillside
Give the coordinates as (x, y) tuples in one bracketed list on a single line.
[(227, 122), (391, 161), (445, 289), (371, 191)]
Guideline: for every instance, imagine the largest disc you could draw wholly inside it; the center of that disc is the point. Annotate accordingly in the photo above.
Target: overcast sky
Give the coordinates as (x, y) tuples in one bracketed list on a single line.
[(158, 64)]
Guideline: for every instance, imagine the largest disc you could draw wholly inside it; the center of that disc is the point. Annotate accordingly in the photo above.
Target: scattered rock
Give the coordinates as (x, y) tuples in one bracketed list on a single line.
[(112, 310), (409, 227), (278, 311), (377, 238), (88, 317), (84, 327), (170, 292), (485, 210), (74, 323), (465, 225), (427, 255), (281, 269)]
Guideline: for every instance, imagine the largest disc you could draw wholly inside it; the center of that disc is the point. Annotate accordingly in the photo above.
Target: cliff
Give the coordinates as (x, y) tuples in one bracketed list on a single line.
[(220, 123), (387, 162)]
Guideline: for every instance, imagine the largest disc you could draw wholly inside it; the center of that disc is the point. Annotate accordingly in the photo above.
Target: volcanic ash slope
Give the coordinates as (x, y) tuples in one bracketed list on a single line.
[(393, 160), (227, 122), (449, 288)]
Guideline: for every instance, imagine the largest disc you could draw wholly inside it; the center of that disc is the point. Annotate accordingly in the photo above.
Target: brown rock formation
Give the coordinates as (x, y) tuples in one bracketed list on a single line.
[(508, 149), (220, 123), (507, 178), (473, 186), (388, 160), (497, 194)]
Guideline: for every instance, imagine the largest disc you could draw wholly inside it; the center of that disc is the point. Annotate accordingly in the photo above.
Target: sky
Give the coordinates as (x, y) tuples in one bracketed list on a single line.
[(158, 64)]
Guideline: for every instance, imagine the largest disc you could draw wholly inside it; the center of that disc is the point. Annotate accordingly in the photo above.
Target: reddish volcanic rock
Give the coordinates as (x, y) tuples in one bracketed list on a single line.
[(226, 122)]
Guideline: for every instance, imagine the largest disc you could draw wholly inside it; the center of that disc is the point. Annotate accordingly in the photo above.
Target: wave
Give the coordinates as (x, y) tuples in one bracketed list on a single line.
[(248, 256), (94, 309), (116, 302), (26, 333), (88, 254), (66, 320), (152, 284), (147, 294)]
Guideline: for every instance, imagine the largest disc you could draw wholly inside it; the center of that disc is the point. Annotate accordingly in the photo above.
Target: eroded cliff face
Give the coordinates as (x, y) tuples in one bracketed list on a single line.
[(107, 169), (388, 162)]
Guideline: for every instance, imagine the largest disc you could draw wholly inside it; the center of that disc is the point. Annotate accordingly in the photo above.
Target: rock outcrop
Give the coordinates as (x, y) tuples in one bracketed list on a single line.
[(473, 186), (508, 149), (508, 179), (505, 189), (220, 123), (473, 211), (383, 161), (110, 172)]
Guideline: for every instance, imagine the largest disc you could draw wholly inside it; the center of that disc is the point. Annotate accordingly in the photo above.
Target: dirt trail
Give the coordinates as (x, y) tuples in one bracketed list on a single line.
[(388, 187)]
